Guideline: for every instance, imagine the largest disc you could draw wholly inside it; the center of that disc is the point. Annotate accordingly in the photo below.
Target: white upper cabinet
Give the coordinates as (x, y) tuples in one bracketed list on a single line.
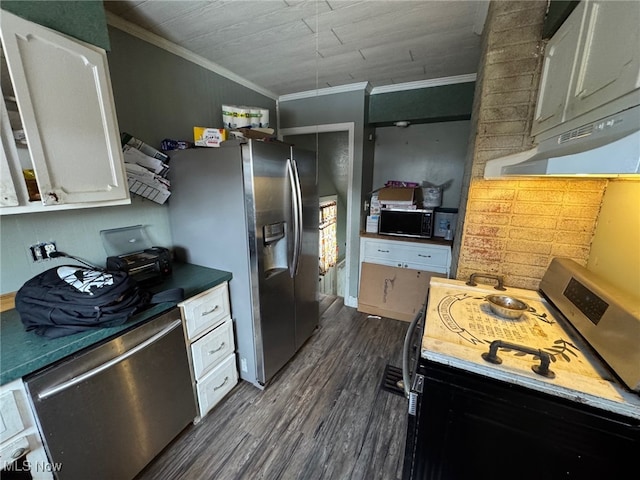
[(592, 60), (63, 95), (608, 56), (557, 68)]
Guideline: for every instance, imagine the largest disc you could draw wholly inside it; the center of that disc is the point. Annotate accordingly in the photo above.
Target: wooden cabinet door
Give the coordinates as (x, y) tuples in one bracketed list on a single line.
[(609, 57), (64, 95)]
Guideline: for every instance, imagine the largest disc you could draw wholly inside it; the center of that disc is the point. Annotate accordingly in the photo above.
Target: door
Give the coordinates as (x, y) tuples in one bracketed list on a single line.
[(107, 412), (306, 279), (268, 202), (63, 91), (609, 57)]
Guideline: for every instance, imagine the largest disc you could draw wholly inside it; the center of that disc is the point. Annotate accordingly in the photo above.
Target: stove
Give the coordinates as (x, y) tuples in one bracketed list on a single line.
[(563, 377), (460, 328)]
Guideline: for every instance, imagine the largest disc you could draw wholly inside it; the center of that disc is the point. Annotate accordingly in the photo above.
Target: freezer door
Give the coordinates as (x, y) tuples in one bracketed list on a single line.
[(306, 279), (268, 202)]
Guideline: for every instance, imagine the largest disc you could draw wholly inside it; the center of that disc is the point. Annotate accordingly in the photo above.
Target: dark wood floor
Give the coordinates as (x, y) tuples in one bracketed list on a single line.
[(322, 417)]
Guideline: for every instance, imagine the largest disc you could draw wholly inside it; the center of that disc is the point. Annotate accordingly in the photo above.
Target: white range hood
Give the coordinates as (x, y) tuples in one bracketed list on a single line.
[(609, 147)]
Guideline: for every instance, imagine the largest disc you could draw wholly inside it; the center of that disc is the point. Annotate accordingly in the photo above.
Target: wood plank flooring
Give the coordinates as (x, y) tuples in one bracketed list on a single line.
[(322, 417)]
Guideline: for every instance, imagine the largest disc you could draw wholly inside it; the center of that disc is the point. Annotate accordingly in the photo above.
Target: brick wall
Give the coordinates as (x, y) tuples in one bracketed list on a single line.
[(515, 227)]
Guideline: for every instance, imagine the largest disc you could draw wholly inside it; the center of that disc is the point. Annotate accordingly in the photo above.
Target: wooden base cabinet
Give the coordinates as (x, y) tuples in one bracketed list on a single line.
[(209, 334)]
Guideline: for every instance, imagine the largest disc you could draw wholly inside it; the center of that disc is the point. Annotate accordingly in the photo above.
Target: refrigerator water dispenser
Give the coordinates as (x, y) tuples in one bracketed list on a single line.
[(275, 249)]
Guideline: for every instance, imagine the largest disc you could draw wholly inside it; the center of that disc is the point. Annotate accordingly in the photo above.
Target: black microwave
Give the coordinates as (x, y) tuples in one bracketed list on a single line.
[(406, 223)]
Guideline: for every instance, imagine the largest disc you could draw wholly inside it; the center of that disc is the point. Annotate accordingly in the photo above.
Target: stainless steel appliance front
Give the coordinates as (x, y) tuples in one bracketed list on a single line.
[(406, 223), (251, 208), (105, 413)]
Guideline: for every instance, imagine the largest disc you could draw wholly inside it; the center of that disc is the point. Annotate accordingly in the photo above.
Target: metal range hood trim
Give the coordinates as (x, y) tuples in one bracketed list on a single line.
[(609, 147)]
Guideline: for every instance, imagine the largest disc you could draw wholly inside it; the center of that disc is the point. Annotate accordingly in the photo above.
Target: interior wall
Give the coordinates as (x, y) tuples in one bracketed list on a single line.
[(615, 250), (433, 152), (157, 95), (76, 232), (160, 95)]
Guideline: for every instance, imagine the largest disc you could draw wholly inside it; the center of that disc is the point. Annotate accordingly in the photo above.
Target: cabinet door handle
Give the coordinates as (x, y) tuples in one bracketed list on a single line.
[(222, 345), (383, 251), (226, 379), (210, 311), (425, 256)]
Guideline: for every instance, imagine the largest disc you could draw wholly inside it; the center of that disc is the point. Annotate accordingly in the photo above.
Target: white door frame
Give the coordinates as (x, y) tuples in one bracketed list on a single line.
[(349, 127)]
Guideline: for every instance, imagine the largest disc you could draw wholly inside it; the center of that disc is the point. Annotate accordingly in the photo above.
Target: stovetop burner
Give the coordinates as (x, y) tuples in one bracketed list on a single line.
[(539, 349)]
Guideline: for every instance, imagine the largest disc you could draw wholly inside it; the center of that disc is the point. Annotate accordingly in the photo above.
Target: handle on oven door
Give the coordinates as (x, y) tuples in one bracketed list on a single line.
[(406, 351)]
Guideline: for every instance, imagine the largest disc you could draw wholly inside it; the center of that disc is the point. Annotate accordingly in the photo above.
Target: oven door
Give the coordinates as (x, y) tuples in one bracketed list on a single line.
[(470, 426)]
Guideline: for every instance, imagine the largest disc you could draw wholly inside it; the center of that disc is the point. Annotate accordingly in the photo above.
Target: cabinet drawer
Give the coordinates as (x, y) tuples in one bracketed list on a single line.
[(205, 310), (406, 254), (11, 421), (213, 347), (216, 384), (424, 256)]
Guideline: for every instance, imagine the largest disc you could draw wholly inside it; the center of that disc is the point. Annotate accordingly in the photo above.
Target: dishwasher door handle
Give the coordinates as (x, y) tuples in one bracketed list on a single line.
[(101, 368)]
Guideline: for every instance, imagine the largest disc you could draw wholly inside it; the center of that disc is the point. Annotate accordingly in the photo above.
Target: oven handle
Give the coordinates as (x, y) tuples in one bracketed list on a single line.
[(406, 351)]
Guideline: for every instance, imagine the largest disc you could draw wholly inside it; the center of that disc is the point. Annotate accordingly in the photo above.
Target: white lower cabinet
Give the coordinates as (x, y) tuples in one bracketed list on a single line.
[(210, 350), (404, 254), (19, 436), (209, 334), (217, 383)]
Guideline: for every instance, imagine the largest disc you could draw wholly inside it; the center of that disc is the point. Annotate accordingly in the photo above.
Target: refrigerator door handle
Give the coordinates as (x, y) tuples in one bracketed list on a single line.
[(293, 266), (299, 213)]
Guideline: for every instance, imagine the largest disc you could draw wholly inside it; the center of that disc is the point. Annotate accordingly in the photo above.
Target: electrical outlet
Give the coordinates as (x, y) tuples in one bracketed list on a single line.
[(42, 251)]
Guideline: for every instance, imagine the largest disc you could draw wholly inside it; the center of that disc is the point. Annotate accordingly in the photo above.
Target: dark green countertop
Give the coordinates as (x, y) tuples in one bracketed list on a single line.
[(22, 353)]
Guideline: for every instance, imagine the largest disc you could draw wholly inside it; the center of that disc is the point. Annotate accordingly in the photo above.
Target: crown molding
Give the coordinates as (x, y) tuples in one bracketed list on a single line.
[(152, 38), (434, 82), (351, 87)]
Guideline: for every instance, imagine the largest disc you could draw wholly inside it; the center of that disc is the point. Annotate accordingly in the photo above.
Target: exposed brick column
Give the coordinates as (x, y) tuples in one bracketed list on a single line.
[(515, 227)]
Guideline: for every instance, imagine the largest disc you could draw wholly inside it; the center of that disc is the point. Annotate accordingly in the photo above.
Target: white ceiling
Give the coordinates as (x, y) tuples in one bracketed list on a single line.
[(290, 46)]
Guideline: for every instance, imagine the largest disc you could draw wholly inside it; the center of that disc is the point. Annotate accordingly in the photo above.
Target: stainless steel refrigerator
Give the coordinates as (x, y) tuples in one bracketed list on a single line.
[(252, 209)]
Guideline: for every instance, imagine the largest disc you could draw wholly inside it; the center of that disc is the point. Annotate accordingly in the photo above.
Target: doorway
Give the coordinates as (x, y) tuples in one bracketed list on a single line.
[(334, 147)]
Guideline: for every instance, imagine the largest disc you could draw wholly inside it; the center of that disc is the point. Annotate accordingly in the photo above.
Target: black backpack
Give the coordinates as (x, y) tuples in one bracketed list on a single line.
[(69, 299)]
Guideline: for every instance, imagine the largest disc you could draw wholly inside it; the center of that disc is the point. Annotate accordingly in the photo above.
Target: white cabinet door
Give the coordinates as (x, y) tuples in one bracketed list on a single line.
[(415, 255), (608, 56), (8, 152), (593, 59), (64, 96), (557, 68)]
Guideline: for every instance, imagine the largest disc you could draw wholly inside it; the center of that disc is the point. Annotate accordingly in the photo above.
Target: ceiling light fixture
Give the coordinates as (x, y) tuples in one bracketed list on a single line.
[(402, 124)]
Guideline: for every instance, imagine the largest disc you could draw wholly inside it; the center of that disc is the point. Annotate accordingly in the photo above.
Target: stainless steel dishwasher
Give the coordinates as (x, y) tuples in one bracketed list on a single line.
[(106, 412)]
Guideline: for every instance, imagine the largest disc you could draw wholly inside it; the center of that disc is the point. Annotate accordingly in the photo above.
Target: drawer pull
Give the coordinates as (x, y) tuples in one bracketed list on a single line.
[(222, 345), (210, 311), (226, 379), (383, 251), (425, 256)]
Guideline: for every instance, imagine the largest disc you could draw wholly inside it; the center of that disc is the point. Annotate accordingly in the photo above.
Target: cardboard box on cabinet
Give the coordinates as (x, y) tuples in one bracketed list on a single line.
[(393, 292)]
